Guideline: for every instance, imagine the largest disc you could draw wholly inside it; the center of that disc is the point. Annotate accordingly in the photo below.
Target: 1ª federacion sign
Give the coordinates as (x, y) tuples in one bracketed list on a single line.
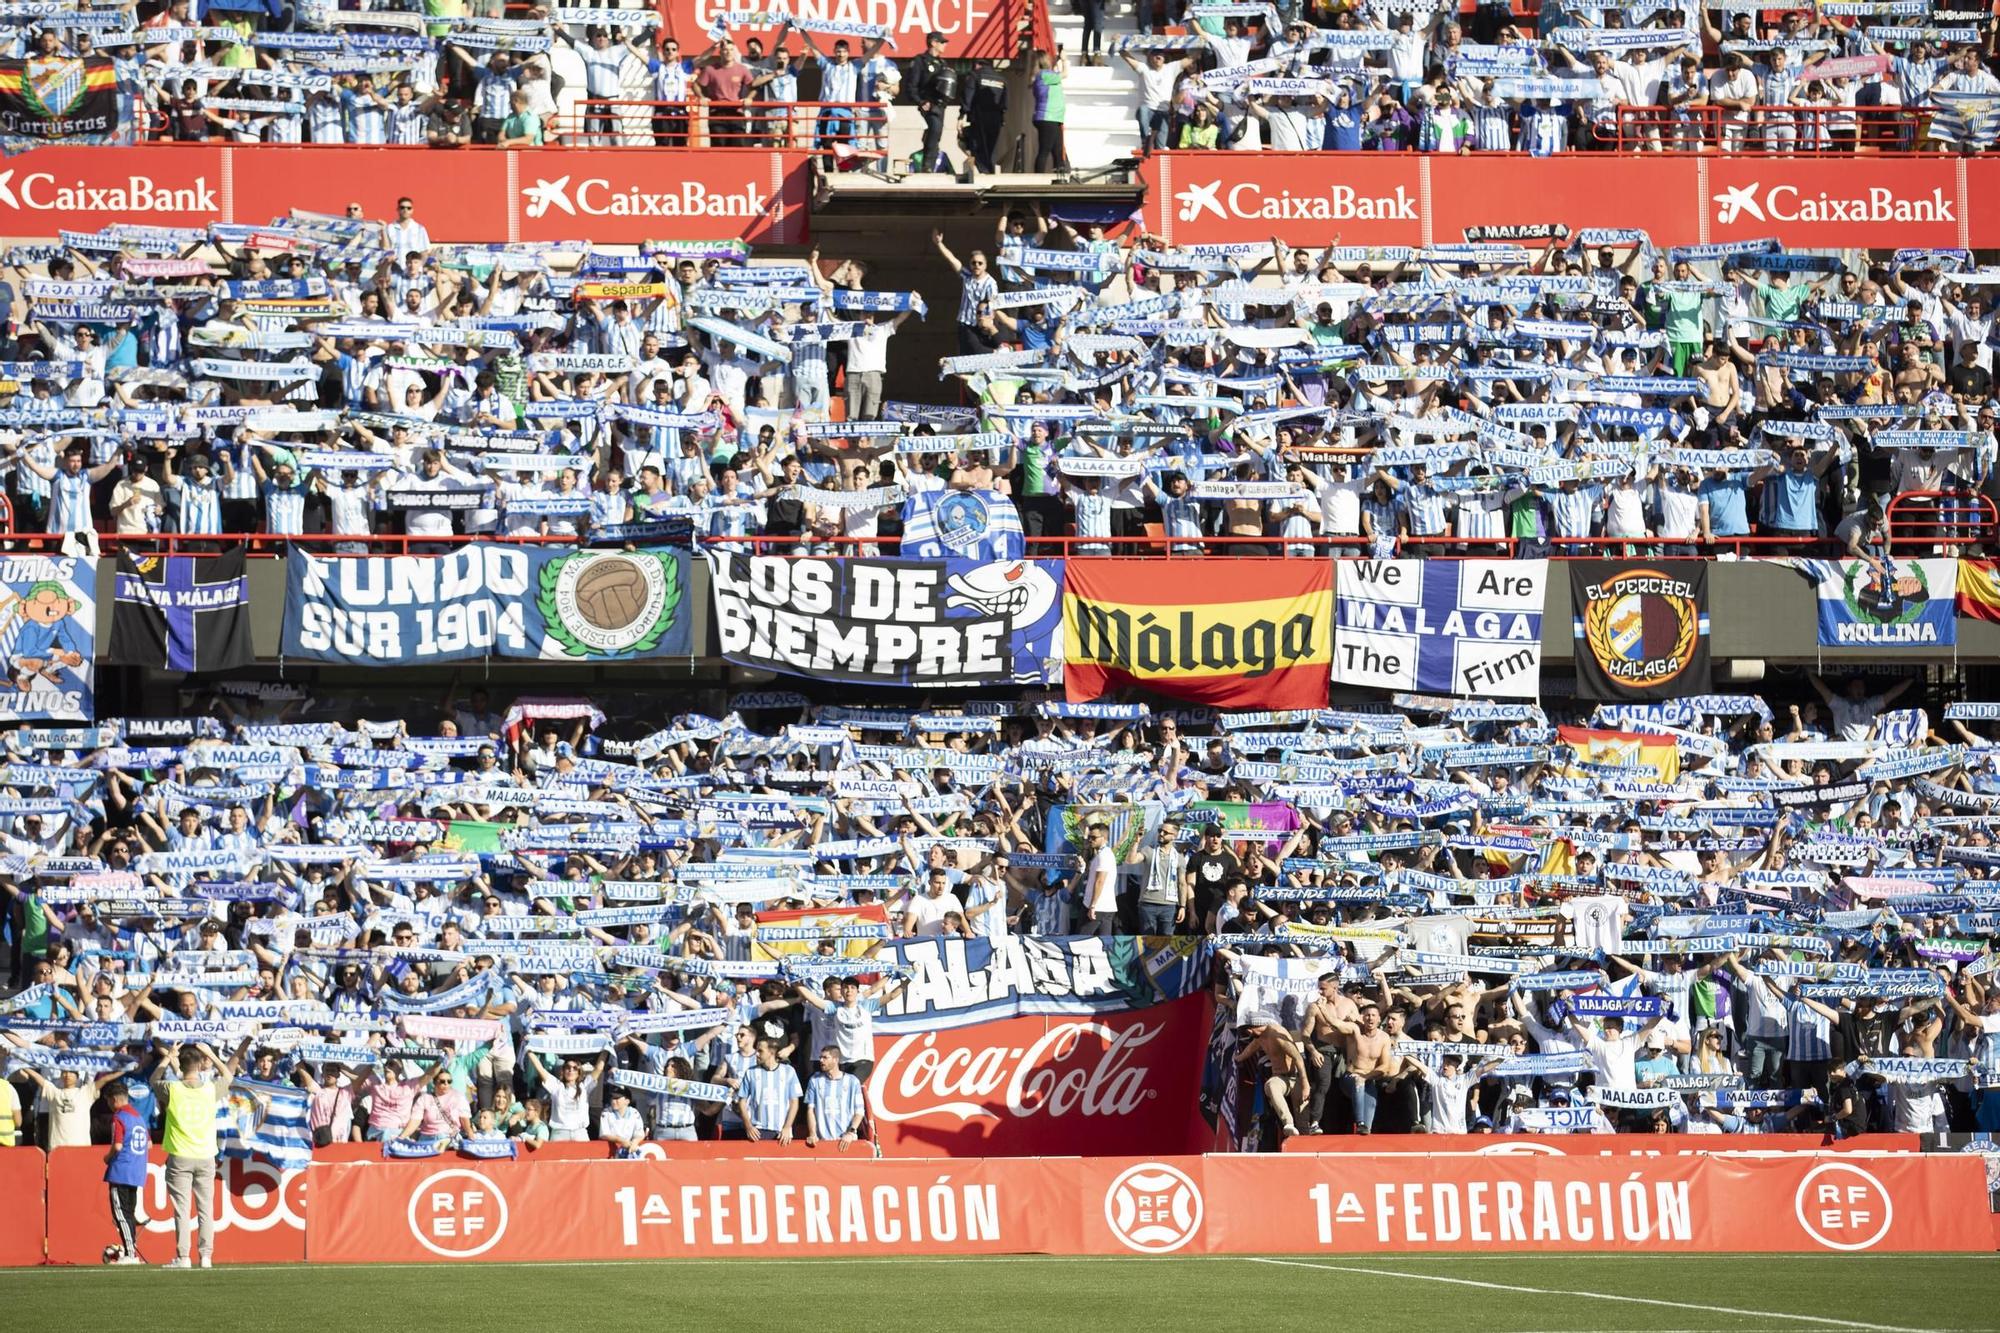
[(1641, 630), (1471, 627)]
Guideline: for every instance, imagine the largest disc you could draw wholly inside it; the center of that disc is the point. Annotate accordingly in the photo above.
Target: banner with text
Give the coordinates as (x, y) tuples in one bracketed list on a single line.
[(890, 622), (48, 638), (1471, 627), (1885, 603), (1226, 633), (1641, 631)]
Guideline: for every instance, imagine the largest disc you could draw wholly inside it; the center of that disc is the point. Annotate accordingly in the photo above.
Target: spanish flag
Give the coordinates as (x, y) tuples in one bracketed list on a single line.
[(1635, 750), (1226, 633), (1979, 589)]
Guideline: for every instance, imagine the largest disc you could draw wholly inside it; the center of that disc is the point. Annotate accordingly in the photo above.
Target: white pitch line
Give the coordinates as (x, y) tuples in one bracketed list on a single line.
[(1591, 1295), (642, 1260)]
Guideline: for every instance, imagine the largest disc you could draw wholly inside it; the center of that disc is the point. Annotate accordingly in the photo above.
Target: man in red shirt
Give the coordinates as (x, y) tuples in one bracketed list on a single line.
[(725, 78)]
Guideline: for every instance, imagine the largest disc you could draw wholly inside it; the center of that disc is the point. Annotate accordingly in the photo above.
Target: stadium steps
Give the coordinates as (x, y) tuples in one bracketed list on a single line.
[(1103, 122)]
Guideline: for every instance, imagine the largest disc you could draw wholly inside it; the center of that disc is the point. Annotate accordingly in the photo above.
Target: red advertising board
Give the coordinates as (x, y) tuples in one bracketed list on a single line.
[(23, 1193), (619, 196), (1696, 1204), (516, 1211), (1316, 199), (1597, 1145), (1069, 1084)]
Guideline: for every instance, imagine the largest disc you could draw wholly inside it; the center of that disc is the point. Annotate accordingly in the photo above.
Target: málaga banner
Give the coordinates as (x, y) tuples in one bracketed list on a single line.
[(1641, 630), (487, 600), (49, 98), (48, 638), (1293, 1203), (1885, 603), (1471, 627), (890, 622), (1227, 633), (954, 981)]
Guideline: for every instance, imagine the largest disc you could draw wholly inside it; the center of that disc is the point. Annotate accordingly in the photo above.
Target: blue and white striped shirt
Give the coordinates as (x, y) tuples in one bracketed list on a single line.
[(766, 1093), (201, 506), (69, 502), (285, 509), (1808, 1034), (835, 1103)]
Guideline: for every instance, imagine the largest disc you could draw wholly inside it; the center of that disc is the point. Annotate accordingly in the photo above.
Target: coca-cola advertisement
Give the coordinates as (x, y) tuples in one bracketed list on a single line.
[(1117, 1082)]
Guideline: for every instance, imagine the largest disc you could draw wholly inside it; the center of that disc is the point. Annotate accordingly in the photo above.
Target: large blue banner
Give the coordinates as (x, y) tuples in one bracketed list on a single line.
[(48, 638), (1467, 627), (954, 982), (488, 600), (891, 622)]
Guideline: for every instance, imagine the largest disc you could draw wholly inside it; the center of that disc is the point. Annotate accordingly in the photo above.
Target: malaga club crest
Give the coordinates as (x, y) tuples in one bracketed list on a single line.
[(1640, 630)]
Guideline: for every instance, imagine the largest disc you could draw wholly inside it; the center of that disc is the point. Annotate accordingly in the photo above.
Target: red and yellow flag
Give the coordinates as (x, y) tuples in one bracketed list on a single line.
[(1979, 589), (1635, 750), (1226, 633)]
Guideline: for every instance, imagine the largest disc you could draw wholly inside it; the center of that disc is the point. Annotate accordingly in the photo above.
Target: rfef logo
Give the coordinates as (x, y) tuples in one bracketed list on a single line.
[(1844, 1207), (458, 1214), (1153, 1208)]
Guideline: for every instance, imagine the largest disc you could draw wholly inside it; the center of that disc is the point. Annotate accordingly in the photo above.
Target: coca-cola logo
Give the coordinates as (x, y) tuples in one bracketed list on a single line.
[(1074, 1068)]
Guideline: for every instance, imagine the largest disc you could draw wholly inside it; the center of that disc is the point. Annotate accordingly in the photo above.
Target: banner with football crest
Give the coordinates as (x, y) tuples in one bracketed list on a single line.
[(597, 606), (1885, 603), (68, 99)]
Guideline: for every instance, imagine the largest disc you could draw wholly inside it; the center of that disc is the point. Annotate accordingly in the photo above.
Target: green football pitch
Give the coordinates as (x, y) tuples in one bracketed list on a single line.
[(1407, 1293)]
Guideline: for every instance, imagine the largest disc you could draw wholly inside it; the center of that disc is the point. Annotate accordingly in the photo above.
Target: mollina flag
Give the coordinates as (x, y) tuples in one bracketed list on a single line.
[(1641, 630), (181, 613), (1873, 603), (1225, 633)]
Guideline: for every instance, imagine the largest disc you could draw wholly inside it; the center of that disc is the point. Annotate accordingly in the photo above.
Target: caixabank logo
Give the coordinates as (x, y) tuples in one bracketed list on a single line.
[(1756, 202), (598, 196), (1248, 199)]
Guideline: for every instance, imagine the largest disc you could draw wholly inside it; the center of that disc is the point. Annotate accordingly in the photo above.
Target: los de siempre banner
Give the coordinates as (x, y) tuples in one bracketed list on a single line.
[(890, 622), (1891, 603), (488, 600), (1294, 1203), (48, 638), (1641, 629), (1219, 632)]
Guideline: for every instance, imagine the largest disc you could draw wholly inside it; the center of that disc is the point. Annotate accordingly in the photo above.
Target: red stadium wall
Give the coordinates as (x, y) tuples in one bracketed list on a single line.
[(552, 194), (1215, 1205), (733, 1198), (1602, 1145), (1313, 199)]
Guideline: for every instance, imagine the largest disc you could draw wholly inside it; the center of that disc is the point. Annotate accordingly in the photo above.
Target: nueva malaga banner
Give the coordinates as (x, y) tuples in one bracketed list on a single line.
[(890, 622)]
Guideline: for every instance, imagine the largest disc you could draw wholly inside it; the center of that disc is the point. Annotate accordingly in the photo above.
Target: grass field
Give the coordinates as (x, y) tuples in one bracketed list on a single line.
[(1408, 1293)]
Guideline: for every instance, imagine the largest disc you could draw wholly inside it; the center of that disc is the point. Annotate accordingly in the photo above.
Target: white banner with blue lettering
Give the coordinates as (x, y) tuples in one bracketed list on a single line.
[(1885, 603), (48, 637), (954, 982), (1470, 627)]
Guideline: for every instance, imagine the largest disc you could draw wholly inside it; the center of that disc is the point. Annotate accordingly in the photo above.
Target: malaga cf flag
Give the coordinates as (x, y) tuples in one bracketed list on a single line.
[(59, 97), (1226, 633), (181, 612), (1641, 629), (1885, 603), (975, 525)]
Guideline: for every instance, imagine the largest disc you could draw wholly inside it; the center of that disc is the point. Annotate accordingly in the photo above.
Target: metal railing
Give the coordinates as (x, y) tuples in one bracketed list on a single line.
[(1940, 519), (1808, 130), (862, 127)]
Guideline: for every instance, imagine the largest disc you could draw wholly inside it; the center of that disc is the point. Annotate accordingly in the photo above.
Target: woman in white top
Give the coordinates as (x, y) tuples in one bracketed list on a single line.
[(569, 1091)]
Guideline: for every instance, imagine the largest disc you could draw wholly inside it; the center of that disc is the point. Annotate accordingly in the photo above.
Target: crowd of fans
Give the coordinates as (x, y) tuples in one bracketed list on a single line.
[(1246, 399), (1410, 75), (1436, 916)]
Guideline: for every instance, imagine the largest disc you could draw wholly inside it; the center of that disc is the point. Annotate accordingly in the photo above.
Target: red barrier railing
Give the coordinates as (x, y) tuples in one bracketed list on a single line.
[(1766, 129), (860, 126), (1945, 519), (1149, 544)]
